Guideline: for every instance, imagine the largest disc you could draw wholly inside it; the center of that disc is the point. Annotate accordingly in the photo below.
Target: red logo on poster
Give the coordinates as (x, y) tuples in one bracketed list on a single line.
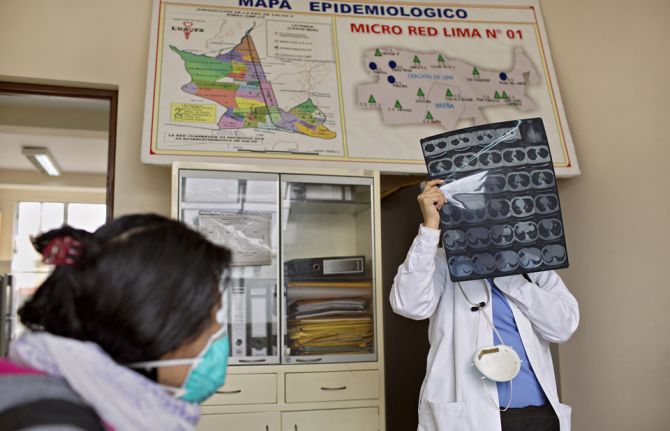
[(187, 29)]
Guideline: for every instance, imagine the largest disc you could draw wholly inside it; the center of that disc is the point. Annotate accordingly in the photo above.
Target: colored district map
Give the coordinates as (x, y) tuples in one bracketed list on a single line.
[(236, 81), (420, 88)]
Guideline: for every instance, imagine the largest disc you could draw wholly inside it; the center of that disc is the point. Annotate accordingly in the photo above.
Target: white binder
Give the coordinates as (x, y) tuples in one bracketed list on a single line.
[(238, 321), (259, 318)]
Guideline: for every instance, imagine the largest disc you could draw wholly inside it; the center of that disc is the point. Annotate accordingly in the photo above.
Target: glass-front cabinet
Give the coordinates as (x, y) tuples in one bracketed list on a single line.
[(302, 284), (239, 210), (327, 269)]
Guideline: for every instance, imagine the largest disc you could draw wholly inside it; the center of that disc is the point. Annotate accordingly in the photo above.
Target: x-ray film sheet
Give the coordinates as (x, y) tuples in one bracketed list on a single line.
[(503, 215)]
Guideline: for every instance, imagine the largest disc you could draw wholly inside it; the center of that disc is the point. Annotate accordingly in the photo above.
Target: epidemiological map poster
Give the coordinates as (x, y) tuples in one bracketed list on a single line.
[(340, 83)]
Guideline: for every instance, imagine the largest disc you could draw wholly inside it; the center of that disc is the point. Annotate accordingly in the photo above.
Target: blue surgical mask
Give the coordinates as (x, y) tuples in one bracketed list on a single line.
[(207, 372)]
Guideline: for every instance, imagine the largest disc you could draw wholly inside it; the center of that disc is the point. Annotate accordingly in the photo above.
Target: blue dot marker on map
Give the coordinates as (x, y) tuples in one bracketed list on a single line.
[(503, 76), (392, 64), (373, 65), (391, 79)]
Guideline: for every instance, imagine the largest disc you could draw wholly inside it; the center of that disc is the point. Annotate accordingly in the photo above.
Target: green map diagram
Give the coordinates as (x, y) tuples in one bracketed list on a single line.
[(237, 81)]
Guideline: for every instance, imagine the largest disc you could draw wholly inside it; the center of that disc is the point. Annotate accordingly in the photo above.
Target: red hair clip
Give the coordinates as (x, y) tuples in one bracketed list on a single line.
[(62, 251)]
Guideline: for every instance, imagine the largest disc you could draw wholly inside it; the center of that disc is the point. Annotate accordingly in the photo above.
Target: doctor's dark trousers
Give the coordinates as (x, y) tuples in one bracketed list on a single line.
[(531, 418)]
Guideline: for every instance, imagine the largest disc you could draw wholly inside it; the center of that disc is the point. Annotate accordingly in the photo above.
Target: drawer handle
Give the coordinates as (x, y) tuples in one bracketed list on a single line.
[(308, 360), (252, 361), (237, 391), (340, 388)]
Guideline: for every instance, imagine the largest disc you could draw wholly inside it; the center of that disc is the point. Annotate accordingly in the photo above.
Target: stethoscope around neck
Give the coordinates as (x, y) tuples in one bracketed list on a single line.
[(478, 306), (497, 363)]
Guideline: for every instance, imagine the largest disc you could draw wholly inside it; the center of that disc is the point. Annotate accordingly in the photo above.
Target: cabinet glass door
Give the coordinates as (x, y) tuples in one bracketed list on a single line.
[(239, 210), (327, 269)]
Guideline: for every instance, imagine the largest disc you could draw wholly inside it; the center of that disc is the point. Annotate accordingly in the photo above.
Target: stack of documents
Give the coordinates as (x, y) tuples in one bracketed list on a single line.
[(327, 289), (322, 336), (307, 308), (330, 317)]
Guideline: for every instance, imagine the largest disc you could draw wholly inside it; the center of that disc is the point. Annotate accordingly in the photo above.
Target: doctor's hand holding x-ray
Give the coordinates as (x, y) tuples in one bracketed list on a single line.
[(431, 200), (520, 313)]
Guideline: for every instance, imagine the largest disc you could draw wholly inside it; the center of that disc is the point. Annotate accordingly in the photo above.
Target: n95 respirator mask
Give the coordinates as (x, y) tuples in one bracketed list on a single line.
[(498, 363)]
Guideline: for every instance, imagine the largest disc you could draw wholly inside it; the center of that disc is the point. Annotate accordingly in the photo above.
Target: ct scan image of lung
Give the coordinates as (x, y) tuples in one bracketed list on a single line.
[(503, 213)]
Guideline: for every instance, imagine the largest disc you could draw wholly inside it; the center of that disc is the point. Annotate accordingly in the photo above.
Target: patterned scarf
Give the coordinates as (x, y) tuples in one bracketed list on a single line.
[(124, 399)]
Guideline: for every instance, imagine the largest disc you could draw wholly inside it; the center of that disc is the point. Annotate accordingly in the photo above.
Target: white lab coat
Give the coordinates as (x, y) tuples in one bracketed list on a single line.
[(452, 395)]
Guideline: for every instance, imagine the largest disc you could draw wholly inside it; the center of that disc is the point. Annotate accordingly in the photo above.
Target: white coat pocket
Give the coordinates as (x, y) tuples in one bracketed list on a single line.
[(443, 417), (564, 416)]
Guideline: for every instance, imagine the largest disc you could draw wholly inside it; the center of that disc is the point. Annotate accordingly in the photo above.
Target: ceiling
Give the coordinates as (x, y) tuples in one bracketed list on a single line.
[(73, 129)]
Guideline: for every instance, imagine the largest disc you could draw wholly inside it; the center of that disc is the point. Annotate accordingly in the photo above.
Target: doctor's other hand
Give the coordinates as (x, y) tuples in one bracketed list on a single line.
[(431, 200)]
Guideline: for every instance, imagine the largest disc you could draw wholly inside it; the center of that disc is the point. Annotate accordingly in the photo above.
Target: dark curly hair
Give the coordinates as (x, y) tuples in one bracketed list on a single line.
[(142, 286)]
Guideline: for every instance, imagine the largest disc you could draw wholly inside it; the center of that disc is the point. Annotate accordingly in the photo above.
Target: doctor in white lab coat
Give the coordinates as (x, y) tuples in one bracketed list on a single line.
[(453, 397)]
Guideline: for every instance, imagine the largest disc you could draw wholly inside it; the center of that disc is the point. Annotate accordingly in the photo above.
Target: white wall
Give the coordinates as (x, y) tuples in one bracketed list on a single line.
[(97, 43), (612, 60), (612, 63)]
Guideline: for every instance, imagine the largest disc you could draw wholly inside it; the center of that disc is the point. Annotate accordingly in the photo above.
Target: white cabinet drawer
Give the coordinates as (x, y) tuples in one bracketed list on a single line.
[(365, 419), (264, 421), (246, 389), (332, 386)]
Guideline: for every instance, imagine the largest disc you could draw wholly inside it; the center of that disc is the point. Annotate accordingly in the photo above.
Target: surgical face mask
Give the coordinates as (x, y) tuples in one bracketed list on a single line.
[(208, 370), (209, 374)]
